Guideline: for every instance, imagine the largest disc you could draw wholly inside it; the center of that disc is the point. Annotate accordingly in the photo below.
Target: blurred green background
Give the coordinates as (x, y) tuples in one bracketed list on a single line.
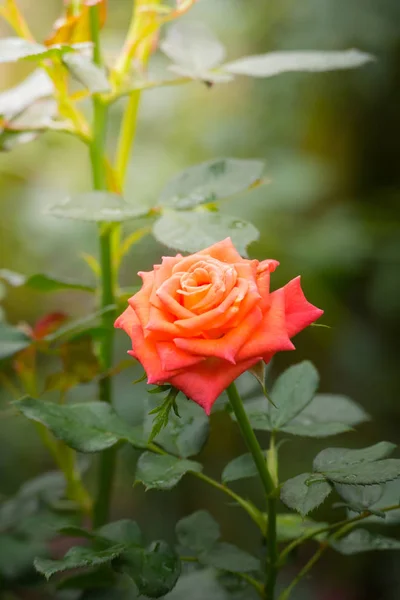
[(331, 143)]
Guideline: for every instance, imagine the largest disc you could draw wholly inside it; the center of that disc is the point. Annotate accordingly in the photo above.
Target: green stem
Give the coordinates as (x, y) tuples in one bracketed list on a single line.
[(75, 7), (346, 527), (65, 459), (268, 484), (315, 558), (97, 146), (124, 150), (94, 19), (127, 136), (252, 511), (272, 547), (312, 534)]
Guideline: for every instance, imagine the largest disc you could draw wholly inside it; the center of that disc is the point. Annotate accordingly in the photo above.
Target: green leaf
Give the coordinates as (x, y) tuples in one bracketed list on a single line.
[(361, 540), (390, 497), (332, 459), (360, 497), (45, 283), (14, 48), (184, 435), (198, 585), (162, 412), (44, 524), (9, 139), (38, 116), (155, 569), (122, 588), (304, 427), (239, 468), (12, 340), (58, 51), (42, 282), (86, 427), (366, 473), (358, 467), (327, 408), (93, 580), (17, 99), (124, 531), (193, 231), (303, 498), (326, 415), (195, 50), (275, 63), (96, 206), (12, 278), (76, 558), (163, 472), (79, 327), (292, 391), (17, 555), (47, 488), (289, 527), (87, 73), (210, 181), (229, 558), (258, 412), (259, 371), (198, 532)]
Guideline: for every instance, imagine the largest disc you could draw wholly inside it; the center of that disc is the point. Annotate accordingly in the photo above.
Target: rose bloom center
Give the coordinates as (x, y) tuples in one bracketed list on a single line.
[(204, 285)]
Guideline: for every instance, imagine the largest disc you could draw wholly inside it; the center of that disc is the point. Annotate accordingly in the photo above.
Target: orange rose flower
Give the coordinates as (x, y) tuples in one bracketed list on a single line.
[(200, 321)]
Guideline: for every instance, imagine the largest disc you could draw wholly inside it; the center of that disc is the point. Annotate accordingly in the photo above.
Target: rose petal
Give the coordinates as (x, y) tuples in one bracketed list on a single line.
[(145, 351), (298, 311), (225, 347), (271, 335), (264, 270), (248, 303), (162, 273), (203, 383), (162, 322), (167, 293), (126, 321), (268, 264), (173, 358), (140, 301), (218, 316), (224, 251)]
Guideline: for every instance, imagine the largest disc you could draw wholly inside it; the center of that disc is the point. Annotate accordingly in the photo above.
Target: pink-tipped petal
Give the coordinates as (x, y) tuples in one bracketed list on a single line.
[(126, 321), (216, 316), (161, 323), (269, 264), (145, 350), (203, 383), (174, 359), (168, 294), (271, 335), (224, 251), (298, 311), (227, 346), (140, 301)]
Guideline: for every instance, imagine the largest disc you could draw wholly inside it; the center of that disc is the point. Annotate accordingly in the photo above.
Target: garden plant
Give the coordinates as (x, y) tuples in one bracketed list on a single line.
[(201, 318)]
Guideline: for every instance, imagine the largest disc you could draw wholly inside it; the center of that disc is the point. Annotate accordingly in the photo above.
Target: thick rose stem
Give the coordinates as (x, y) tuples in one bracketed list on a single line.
[(268, 484)]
